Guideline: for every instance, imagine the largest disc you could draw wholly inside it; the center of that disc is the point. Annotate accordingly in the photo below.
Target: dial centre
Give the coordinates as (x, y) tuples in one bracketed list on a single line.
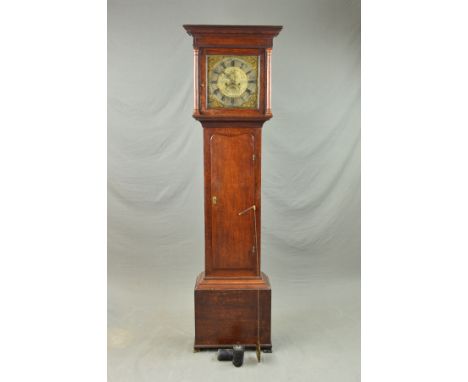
[(232, 82)]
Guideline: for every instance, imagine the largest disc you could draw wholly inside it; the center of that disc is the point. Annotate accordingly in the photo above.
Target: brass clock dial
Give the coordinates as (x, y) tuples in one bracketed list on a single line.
[(232, 81)]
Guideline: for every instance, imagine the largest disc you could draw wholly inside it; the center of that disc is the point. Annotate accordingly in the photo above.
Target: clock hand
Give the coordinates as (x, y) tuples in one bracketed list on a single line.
[(247, 209), (254, 208), (232, 79)]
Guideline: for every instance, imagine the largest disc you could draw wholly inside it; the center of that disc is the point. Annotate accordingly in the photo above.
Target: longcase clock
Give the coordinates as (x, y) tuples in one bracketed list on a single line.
[(232, 93)]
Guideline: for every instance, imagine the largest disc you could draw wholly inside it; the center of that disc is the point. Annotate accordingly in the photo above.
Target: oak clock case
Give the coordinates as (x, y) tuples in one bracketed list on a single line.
[(232, 66)]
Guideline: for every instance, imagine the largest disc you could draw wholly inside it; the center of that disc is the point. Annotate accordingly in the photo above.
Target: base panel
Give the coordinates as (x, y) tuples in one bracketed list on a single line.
[(230, 312)]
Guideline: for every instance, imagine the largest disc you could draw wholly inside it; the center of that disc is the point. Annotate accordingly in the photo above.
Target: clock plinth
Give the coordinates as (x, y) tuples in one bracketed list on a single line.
[(232, 97), (230, 312)]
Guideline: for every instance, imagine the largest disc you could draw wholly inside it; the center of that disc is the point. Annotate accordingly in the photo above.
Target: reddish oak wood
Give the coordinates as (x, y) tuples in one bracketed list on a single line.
[(232, 296), (233, 35), (233, 312), (233, 186), (233, 176)]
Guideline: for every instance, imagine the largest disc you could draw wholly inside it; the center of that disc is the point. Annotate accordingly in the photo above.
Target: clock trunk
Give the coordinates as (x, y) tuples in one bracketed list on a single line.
[(231, 181)]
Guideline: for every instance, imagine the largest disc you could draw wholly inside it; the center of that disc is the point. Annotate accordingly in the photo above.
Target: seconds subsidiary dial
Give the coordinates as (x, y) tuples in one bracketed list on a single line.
[(233, 81)]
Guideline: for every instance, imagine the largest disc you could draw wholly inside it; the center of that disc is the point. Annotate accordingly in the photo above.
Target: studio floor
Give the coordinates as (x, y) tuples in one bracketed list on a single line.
[(315, 333)]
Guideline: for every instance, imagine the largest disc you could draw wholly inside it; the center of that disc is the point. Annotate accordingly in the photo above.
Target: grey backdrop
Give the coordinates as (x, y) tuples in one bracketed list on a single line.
[(311, 191)]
